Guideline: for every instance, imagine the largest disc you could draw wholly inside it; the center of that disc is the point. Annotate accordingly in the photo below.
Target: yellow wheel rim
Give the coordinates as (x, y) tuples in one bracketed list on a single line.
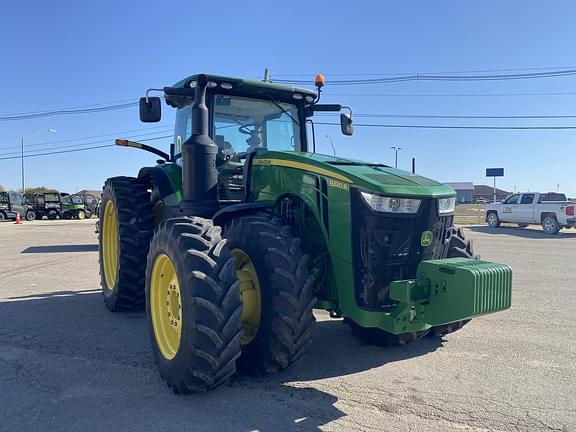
[(251, 295), (166, 306), (110, 245), (81, 215)]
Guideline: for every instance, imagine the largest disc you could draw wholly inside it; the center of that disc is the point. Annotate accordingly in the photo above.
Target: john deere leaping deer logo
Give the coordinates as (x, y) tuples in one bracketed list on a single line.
[(426, 239)]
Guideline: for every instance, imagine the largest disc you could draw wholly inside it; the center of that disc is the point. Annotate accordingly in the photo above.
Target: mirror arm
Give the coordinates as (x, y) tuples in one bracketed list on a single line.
[(148, 92)]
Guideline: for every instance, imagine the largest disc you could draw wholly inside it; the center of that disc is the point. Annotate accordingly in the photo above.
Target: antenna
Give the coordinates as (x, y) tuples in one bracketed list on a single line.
[(266, 75)]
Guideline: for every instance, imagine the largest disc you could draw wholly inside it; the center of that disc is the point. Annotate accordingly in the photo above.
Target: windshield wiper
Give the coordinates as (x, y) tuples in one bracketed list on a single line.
[(275, 102)]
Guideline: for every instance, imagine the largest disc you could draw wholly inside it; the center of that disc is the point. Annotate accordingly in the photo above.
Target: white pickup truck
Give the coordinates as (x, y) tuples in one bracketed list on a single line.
[(552, 210)]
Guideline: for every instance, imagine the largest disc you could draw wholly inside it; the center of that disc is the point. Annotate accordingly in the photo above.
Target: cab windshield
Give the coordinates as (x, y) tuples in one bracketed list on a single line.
[(243, 125)]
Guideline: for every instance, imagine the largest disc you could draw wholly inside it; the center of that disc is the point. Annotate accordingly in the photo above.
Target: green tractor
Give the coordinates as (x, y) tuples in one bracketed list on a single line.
[(234, 237)]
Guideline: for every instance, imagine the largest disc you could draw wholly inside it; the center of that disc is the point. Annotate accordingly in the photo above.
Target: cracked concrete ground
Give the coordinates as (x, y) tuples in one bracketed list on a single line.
[(67, 364)]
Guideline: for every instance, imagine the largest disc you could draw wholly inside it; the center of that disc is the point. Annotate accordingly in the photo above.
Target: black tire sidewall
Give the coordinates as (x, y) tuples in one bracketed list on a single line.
[(171, 369), (108, 291)]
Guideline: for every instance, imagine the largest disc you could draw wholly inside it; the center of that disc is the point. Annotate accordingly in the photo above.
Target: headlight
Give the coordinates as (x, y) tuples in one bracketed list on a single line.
[(446, 205), (391, 204)]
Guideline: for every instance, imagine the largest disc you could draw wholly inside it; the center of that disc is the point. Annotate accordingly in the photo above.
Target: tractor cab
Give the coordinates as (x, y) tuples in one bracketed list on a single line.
[(236, 119), (240, 127)]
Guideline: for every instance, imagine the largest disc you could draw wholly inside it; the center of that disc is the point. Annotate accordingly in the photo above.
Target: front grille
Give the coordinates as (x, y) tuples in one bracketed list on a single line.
[(386, 247)]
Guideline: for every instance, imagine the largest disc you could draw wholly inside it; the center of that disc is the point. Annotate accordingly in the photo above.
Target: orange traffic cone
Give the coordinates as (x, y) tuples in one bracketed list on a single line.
[(18, 221)]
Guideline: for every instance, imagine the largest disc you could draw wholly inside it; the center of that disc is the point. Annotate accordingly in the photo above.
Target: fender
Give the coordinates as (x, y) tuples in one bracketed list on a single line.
[(226, 214), (166, 180)]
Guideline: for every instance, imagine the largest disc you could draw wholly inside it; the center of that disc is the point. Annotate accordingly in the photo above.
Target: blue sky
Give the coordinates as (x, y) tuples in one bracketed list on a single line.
[(63, 54)]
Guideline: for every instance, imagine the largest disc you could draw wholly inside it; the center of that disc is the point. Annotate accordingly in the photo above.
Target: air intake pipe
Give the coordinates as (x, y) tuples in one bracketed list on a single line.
[(199, 175)]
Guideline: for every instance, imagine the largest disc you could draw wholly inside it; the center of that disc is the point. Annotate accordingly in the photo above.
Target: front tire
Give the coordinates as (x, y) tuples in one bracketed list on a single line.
[(493, 220), (30, 215), (126, 227), (193, 305), (276, 293)]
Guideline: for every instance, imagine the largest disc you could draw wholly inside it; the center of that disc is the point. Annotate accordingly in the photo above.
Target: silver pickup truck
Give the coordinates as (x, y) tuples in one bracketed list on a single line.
[(552, 210)]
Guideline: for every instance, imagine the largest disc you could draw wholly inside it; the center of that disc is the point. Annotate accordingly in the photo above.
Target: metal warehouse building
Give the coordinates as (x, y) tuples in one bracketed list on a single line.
[(464, 191)]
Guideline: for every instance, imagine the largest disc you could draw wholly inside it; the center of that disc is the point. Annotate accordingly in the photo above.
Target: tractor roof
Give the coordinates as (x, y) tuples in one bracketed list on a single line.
[(250, 86)]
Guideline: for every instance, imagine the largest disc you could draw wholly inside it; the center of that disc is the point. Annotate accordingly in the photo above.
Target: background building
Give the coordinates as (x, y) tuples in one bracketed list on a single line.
[(464, 191), (484, 192)]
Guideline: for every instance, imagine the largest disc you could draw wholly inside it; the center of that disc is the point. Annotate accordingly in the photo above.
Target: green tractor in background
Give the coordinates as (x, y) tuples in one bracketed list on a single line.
[(237, 234)]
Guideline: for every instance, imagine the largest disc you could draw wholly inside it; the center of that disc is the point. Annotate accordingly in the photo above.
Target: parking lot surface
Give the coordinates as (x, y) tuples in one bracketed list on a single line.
[(68, 364)]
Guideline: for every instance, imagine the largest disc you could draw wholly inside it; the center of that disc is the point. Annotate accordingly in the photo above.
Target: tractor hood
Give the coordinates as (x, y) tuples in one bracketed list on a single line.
[(374, 177)]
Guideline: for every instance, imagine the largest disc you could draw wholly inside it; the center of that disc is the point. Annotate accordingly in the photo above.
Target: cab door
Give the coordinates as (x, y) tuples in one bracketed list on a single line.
[(509, 212), (524, 211)]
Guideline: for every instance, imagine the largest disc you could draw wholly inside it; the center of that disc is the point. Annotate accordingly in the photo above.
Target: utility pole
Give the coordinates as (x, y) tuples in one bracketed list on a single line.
[(396, 150)]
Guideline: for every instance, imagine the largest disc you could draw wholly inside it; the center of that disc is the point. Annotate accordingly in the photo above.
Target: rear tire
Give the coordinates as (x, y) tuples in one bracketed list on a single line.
[(550, 225), (193, 305), (52, 214), (2, 217), (493, 220), (125, 230), (81, 215), (285, 318), (88, 214)]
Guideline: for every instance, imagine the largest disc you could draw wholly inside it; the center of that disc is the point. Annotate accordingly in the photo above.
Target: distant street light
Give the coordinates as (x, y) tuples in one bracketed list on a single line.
[(22, 158), (396, 150), (331, 144)]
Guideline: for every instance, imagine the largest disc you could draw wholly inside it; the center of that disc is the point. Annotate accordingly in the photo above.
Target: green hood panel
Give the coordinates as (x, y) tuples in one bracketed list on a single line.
[(375, 177)]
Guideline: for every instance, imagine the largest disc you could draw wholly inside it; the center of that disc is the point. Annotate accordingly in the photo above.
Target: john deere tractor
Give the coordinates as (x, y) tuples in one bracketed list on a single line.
[(241, 230)]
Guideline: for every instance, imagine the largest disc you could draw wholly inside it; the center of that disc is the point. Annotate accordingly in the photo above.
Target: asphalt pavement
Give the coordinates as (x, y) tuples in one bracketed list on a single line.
[(67, 364)]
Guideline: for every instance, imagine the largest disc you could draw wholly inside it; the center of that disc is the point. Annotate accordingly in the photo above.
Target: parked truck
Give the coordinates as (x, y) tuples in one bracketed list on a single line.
[(551, 210)]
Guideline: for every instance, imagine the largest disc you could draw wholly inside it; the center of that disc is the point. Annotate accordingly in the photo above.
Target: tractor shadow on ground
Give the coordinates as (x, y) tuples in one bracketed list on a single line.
[(530, 233), (62, 248), (73, 330)]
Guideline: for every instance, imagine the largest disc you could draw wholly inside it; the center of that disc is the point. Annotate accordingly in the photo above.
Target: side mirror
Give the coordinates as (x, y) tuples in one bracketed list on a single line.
[(150, 110), (346, 124)]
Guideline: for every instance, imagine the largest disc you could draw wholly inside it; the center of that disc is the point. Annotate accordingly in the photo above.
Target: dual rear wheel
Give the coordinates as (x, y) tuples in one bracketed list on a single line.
[(217, 300)]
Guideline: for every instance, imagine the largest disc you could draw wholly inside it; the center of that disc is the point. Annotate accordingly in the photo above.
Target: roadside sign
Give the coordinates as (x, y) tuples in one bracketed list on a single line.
[(494, 172)]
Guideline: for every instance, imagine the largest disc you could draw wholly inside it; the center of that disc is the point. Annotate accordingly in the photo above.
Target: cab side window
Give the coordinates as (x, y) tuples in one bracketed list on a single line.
[(527, 199), (512, 200), (183, 129)]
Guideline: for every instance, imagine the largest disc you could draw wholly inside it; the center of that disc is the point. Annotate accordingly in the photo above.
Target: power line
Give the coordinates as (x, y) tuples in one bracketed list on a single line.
[(450, 94), (59, 152), (67, 112), (493, 117), (432, 77), (379, 125), (453, 126), (164, 129), (435, 72), (76, 150)]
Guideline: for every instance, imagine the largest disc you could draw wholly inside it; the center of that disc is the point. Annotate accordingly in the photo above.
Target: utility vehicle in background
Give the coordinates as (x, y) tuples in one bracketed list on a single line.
[(13, 203), (552, 210), (242, 229)]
